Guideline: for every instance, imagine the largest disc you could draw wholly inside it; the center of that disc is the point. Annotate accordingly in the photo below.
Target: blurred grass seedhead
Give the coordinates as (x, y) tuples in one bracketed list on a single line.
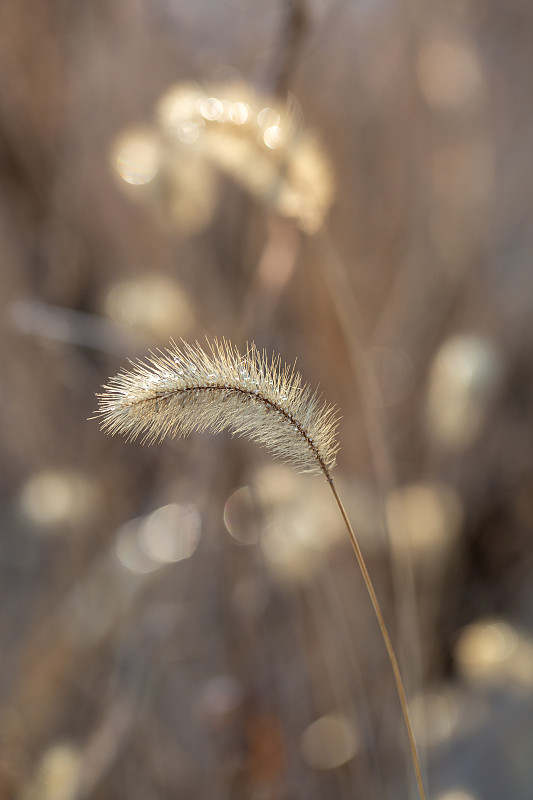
[(259, 143)]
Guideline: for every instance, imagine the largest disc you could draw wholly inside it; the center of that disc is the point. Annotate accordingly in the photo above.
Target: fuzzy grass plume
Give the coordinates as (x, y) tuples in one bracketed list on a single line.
[(178, 390), (262, 144)]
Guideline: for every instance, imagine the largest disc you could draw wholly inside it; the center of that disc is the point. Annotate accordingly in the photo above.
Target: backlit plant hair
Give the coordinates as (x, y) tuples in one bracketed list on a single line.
[(262, 144), (178, 390)]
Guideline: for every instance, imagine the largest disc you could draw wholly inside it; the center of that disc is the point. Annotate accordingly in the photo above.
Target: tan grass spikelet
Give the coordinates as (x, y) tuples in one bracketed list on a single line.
[(199, 131), (178, 390), (260, 142)]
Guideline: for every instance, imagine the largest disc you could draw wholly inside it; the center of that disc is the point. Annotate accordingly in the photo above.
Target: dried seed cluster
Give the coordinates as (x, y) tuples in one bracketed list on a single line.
[(178, 390)]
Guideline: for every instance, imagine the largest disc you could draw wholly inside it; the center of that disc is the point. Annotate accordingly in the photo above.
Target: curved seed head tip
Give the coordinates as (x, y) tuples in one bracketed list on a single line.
[(182, 389)]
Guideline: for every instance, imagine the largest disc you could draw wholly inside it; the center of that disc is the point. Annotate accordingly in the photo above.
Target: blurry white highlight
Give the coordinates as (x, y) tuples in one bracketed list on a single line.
[(153, 304), (329, 742), (493, 652), (167, 535), (268, 117), (129, 551), (212, 109), (297, 528), (136, 156), (56, 776), (241, 516), (465, 377), (424, 519), (219, 699), (449, 74), (435, 715), (188, 132), (171, 533), (54, 498), (273, 137), (239, 113), (456, 794)]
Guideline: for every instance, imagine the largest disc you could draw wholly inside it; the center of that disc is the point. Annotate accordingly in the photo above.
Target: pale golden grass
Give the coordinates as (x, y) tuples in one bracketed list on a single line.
[(178, 390), (262, 143), (259, 142)]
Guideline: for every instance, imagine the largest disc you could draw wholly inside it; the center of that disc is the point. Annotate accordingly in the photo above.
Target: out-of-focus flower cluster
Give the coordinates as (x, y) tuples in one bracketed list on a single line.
[(172, 165)]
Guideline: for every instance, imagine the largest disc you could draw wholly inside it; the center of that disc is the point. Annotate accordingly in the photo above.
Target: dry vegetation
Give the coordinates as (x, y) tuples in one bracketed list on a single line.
[(345, 183)]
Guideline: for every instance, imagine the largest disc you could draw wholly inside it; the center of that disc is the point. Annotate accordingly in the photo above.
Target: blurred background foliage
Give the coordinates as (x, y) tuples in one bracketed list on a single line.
[(347, 182)]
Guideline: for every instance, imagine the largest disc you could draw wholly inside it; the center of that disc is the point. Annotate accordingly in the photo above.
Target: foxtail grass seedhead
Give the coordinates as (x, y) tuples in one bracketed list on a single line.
[(178, 390), (198, 131)]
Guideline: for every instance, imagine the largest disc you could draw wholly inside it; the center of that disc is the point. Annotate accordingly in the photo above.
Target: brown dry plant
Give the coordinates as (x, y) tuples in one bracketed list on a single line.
[(178, 390), (260, 143)]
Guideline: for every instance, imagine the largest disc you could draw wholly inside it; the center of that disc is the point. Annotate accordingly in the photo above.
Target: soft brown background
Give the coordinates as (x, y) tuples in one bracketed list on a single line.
[(200, 677)]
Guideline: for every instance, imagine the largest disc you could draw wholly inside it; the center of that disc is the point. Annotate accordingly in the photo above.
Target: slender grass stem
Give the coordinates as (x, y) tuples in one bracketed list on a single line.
[(386, 639)]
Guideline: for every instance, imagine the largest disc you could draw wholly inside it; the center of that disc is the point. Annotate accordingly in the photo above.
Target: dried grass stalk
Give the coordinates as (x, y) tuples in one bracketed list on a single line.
[(176, 391)]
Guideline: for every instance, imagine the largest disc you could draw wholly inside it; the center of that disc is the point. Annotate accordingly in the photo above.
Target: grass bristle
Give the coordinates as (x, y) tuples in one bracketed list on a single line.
[(179, 390)]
